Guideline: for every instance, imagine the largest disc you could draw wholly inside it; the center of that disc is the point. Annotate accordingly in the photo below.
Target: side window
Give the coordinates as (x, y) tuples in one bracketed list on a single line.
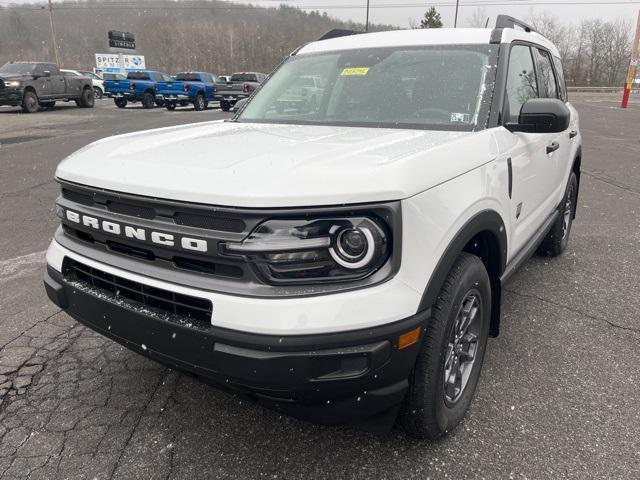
[(521, 80), (53, 69), (561, 84), (546, 76), (39, 70)]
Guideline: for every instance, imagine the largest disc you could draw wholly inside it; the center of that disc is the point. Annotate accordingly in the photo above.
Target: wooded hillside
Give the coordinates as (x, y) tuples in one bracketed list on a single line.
[(214, 36)]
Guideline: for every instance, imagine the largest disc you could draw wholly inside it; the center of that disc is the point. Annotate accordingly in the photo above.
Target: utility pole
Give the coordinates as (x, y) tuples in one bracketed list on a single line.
[(455, 20), (53, 35), (366, 25), (633, 65)]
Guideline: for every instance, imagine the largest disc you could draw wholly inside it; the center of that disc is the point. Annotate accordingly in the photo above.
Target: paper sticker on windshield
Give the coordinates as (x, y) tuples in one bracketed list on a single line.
[(460, 117), (351, 71)]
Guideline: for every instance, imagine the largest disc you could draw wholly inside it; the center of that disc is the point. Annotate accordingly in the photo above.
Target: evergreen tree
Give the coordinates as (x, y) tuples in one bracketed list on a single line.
[(431, 19)]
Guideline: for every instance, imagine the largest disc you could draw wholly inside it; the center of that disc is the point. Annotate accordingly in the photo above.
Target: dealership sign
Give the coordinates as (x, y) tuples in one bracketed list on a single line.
[(125, 40), (111, 62)]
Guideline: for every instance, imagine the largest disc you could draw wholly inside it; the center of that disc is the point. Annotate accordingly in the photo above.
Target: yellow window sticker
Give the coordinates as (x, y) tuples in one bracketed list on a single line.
[(354, 71)]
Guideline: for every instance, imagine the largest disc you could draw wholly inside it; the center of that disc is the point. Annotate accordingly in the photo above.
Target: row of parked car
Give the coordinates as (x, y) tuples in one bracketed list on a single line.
[(153, 88), (39, 85)]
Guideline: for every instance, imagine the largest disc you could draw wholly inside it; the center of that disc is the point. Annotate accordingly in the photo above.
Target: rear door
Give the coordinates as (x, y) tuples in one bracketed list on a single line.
[(534, 171)]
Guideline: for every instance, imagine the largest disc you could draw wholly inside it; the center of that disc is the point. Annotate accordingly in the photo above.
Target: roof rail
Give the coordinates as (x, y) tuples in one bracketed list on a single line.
[(338, 32), (505, 21)]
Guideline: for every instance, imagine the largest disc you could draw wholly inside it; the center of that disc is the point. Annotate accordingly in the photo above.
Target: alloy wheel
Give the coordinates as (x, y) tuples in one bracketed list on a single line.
[(461, 351), (568, 210)]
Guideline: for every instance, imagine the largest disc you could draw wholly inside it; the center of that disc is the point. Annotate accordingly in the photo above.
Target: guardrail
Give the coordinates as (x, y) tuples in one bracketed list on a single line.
[(596, 89)]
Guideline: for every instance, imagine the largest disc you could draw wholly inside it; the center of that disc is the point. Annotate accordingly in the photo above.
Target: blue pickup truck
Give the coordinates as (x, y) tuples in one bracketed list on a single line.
[(197, 88), (139, 86)]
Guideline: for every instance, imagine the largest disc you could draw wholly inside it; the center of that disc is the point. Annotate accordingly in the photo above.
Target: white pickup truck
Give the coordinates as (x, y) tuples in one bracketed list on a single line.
[(342, 263)]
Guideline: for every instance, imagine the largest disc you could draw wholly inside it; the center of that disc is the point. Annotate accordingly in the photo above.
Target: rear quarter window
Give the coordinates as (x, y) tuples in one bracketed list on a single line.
[(138, 76), (244, 77), (188, 77)]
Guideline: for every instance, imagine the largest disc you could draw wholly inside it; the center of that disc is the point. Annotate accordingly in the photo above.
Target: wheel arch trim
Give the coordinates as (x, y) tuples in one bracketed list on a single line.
[(488, 221)]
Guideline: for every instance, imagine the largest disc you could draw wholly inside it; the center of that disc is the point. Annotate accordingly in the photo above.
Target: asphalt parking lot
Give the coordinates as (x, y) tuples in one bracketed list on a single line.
[(559, 395)]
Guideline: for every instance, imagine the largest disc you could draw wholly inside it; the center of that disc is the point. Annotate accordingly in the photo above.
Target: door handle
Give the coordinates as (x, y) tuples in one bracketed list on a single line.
[(552, 147), (573, 133)]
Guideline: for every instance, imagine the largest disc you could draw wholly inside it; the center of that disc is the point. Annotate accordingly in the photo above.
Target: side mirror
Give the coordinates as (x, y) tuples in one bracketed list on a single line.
[(542, 115), (239, 104)]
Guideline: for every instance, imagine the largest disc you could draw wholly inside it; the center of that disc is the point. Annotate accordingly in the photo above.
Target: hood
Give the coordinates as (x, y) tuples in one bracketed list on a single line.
[(15, 76), (273, 165)]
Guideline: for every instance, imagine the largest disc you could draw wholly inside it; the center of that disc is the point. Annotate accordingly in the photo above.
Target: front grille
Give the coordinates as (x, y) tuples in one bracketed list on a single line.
[(222, 224), (205, 265), (131, 210), (162, 210), (78, 197), (184, 308)]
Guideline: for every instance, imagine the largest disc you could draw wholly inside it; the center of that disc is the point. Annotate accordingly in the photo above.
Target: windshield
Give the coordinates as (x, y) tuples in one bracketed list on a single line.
[(244, 77), (18, 68), (406, 87)]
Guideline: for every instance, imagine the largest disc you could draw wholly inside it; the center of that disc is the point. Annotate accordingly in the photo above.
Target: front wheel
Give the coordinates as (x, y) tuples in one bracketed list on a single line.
[(120, 102), (97, 92), (557, 239), (170, 105), (87, 99), (448, 366), (30, 102)]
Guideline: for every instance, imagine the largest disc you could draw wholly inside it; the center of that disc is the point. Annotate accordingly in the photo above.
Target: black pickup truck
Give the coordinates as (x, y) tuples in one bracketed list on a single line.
[(34, 85)]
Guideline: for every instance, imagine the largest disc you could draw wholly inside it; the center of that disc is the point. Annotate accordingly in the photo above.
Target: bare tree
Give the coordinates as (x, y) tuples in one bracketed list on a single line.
[(478, 19)]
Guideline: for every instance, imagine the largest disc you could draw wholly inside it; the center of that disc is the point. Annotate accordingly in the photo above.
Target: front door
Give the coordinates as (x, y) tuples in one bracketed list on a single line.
[(535, 171)]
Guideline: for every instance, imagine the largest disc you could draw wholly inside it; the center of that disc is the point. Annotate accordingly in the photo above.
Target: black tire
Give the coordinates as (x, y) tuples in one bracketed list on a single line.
[(170, 105), (148, 101), (199, 103), (225, 106), (557, 239), (430, 410), (97, 92), (120, 102), (86, 100), (30, 102)]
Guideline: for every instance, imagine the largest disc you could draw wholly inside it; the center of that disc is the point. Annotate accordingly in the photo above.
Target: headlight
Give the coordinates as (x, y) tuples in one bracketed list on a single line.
[(316, 250), (12, 83)]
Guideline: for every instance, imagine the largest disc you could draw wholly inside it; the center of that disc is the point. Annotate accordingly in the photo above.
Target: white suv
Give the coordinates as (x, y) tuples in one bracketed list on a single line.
[(342, 263)]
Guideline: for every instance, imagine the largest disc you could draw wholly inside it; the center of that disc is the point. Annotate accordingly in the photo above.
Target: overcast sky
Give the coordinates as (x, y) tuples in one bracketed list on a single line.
[(398, 12)]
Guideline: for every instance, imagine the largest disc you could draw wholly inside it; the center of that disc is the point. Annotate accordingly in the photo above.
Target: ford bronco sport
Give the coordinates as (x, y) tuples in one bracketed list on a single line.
[(341, 263)]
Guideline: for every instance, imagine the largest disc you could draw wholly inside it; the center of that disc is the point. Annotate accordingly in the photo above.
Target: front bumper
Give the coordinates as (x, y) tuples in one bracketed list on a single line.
[(331, 378), (10, 97)]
